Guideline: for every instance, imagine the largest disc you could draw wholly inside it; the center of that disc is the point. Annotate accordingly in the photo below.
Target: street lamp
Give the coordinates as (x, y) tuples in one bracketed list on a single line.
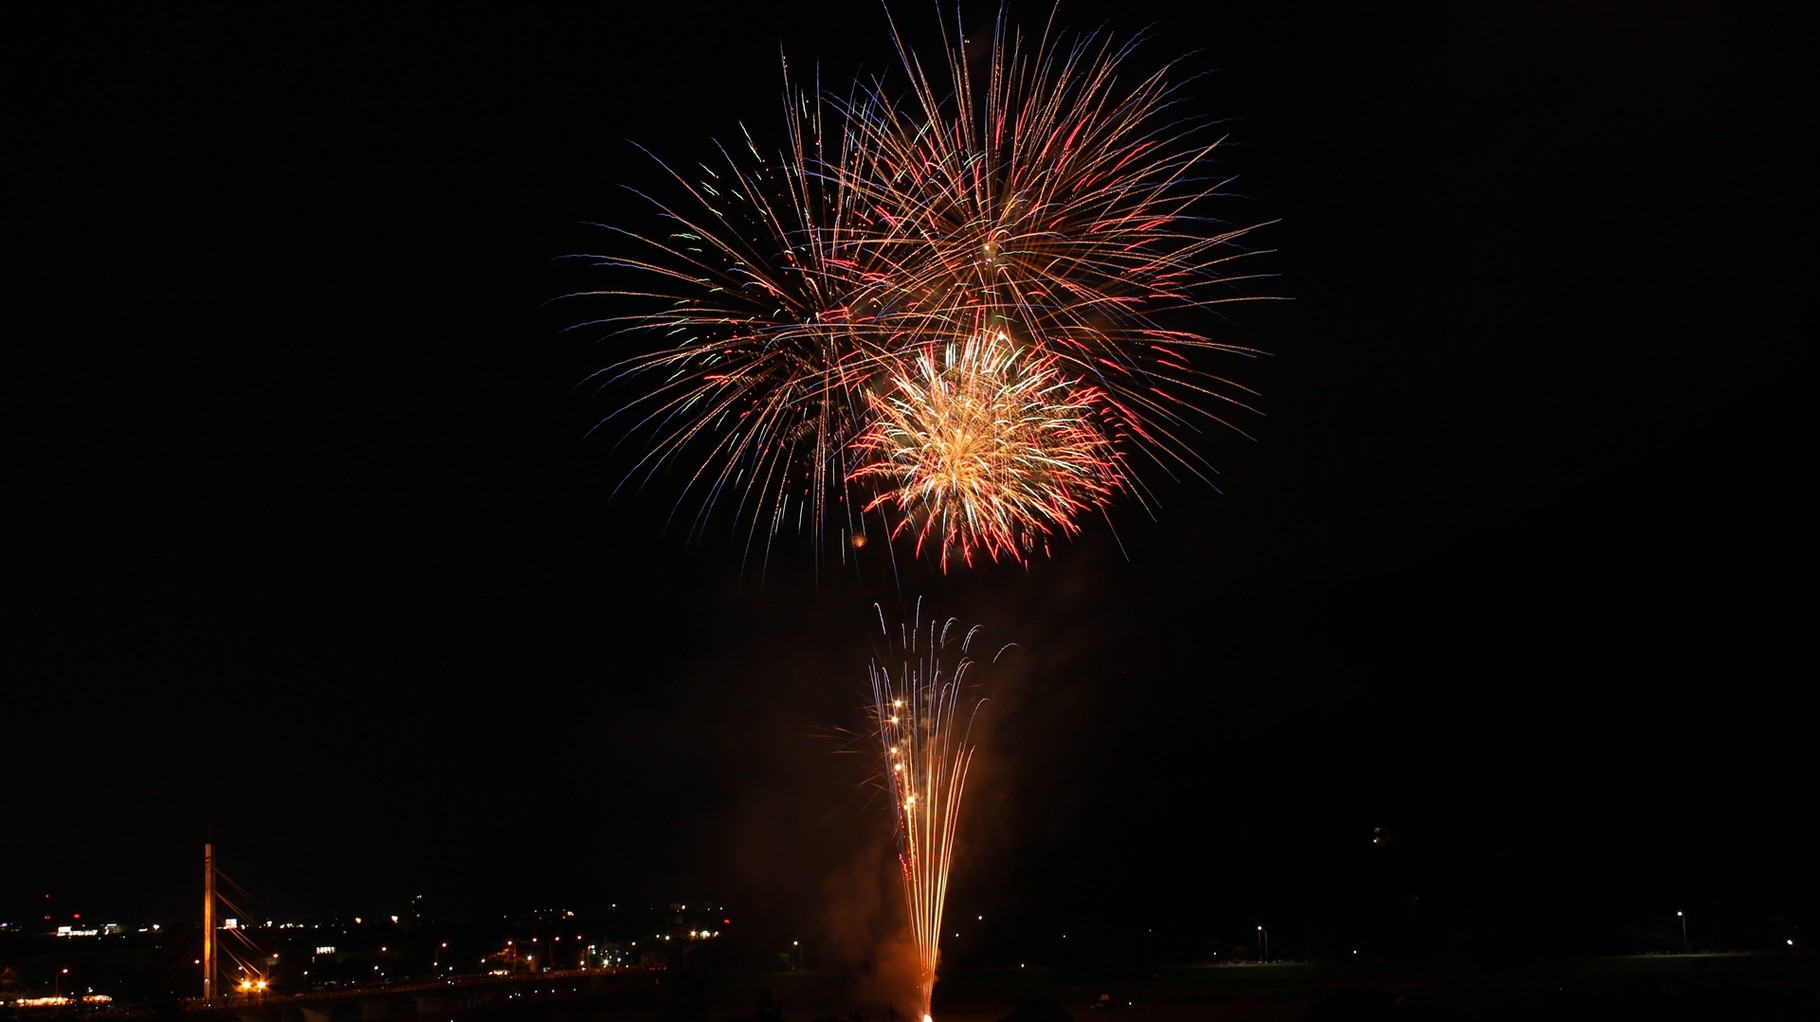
[(57, 982), (1263, 944), (1683, 917), (798, 945)]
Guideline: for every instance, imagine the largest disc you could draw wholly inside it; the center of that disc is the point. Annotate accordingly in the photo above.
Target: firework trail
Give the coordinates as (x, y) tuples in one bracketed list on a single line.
[(985, 447), (1049, 195), (924, 716)]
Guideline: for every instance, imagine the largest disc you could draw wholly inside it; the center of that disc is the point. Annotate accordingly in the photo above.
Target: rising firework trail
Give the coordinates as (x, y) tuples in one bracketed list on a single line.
[(924, 710), (1042, 190)]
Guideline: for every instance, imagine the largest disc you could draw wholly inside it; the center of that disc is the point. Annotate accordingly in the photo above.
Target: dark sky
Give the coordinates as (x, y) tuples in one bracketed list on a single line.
[(313, 557)]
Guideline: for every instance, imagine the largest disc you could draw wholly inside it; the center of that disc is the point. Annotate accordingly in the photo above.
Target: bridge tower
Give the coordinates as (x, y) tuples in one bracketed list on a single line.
[(209, 967)]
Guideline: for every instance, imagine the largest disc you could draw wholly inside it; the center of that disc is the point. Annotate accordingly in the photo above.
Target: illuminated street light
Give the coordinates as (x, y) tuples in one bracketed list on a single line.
[(1263, 944), (1683, 917)]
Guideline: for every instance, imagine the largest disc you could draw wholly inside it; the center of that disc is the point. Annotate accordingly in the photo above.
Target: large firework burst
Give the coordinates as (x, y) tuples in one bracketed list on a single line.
[(1050, 192), (754, 384)]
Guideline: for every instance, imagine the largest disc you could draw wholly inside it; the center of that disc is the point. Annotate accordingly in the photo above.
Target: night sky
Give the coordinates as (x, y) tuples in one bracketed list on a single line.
[(313, 554)]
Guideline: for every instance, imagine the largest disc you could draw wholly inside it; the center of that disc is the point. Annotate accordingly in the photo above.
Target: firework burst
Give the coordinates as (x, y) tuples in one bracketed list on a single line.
[(1045, 192), (984, 447), (923, 712), (755, 383)]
